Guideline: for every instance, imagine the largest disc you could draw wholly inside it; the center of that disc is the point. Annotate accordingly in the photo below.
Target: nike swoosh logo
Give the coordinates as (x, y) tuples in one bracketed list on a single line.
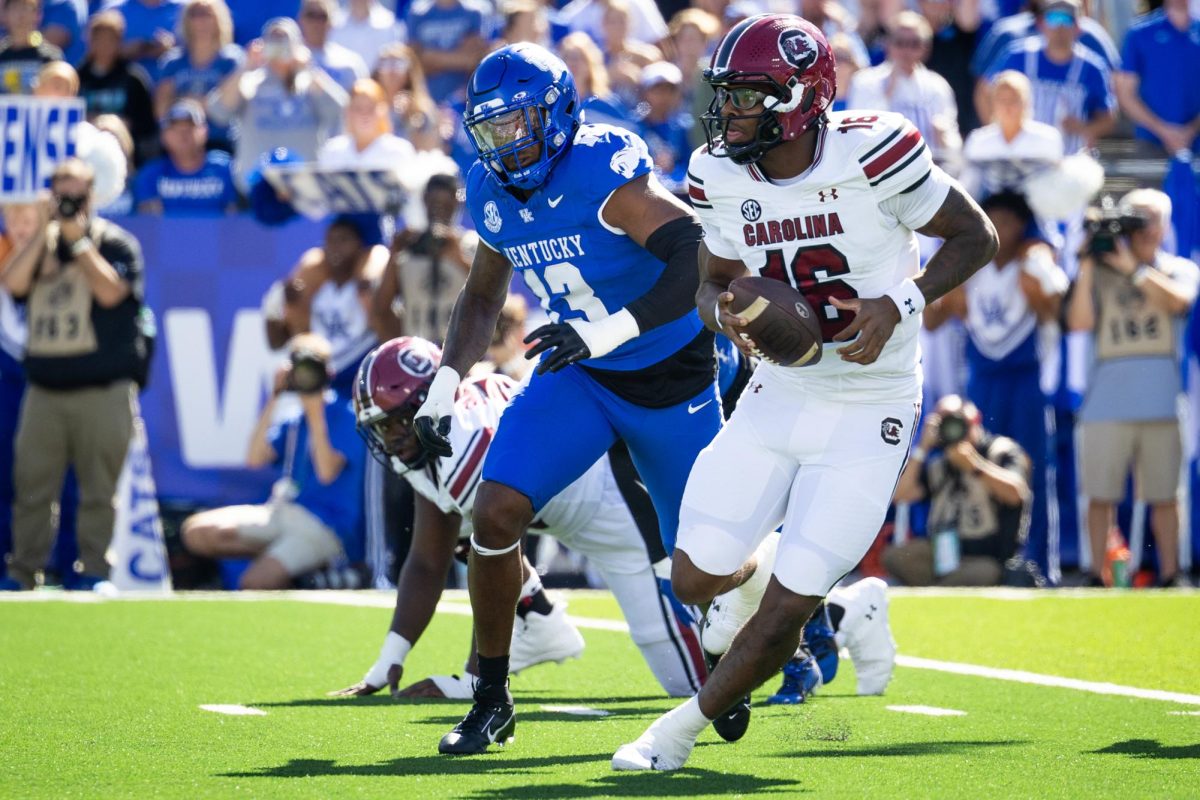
[(693, 409), (554, 203), (492, 733)]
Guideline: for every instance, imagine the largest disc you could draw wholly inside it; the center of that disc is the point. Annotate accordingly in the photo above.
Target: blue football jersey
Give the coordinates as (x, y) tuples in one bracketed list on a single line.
[(578, 266)]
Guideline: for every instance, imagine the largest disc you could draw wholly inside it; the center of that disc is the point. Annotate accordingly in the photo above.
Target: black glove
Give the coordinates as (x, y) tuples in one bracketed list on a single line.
[(565, 342), (434, 441)]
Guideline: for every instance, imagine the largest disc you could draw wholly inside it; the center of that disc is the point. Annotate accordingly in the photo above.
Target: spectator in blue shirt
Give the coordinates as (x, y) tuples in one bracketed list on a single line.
[(450, 39), (341, 63), (149, 30), (1071, 86), (664, 123), (63, 24), (1160, 49), (188, 180), (312, 516), (204, 57), (1012, 29), (250, 16)]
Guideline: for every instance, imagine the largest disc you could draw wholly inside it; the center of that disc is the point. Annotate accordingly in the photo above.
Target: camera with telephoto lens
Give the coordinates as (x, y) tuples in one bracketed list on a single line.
[(310, 372), (1107, 222), (69, 205), (952, 429)]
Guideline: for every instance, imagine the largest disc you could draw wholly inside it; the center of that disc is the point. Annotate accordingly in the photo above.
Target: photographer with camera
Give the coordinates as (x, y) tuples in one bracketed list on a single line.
[(80, 279), (312, 516), (979, 498), (1135, 299)]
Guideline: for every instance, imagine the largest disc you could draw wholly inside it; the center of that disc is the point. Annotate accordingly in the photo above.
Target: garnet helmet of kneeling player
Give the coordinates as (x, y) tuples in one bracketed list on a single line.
[(392, 383), (779, 64)]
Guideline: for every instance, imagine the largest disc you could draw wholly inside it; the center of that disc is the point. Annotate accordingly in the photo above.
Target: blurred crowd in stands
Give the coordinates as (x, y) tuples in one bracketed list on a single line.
[(1074, 335)]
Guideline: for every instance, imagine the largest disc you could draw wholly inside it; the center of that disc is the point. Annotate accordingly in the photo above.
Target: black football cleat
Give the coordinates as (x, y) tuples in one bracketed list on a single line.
[(731, 725), (492, 720)]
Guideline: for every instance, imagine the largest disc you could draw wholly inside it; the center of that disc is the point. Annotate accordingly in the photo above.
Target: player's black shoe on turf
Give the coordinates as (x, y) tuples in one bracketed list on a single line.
[(731, 725), (492, 720)]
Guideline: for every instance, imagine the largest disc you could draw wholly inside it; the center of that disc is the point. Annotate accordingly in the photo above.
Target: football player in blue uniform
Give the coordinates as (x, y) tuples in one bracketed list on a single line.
[(612, 255)]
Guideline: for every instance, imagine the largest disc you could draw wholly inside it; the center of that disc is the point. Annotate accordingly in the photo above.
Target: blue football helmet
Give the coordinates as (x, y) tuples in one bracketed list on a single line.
[(522, 112)]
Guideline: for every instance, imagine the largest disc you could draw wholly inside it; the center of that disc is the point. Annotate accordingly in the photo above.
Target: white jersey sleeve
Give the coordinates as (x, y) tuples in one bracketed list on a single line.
[(698, 194), (891, 153)]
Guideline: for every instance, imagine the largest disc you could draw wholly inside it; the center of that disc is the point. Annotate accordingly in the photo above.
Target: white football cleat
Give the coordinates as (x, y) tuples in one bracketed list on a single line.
[(729, 611), (543, 637), (865, 632), (658, 748)]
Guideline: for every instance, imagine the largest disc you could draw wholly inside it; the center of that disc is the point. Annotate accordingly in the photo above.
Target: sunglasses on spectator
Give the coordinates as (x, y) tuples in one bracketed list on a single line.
[(1059, 19), (316, 14), (906, 43)]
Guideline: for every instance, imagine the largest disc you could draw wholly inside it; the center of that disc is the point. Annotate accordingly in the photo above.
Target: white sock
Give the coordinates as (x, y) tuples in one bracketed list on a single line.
[(531, 586), (686, 719)]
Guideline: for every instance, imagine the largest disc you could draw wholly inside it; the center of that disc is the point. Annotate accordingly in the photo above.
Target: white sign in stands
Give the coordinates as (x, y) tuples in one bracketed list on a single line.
[(317, 191), (35, 134)]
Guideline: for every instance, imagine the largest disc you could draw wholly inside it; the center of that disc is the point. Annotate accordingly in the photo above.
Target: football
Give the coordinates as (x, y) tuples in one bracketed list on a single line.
[(782, 327)]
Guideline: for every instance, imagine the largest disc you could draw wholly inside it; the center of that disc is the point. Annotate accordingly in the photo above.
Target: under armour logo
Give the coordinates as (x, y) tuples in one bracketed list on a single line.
[(908, 303), (526, 215), (832, 194), (757, 388), (871, 613)]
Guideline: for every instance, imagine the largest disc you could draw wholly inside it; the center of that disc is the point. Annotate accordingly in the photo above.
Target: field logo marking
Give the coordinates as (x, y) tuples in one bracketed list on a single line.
[(233, 710), (928, 711)]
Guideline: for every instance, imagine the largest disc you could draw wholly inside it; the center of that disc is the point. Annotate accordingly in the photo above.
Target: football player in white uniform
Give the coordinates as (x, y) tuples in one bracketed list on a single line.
[(591, 515), (827, 203)]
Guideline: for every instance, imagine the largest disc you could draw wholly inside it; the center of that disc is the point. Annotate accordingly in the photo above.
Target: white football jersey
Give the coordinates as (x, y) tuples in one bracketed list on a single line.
[(843, 228), (451, 484)]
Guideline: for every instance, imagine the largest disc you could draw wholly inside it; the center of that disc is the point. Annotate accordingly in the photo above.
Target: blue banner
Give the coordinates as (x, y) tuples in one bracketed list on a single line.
[(212, 369)]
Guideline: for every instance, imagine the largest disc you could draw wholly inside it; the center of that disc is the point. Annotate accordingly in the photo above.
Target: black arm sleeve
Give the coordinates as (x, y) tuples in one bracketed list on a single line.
[(674, 294)]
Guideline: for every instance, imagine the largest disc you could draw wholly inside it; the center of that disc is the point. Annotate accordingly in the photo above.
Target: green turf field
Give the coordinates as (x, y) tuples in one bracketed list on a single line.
[(101, 699)]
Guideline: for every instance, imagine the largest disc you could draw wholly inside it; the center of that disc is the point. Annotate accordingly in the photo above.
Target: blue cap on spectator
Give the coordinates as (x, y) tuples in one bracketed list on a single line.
[(185, 111)]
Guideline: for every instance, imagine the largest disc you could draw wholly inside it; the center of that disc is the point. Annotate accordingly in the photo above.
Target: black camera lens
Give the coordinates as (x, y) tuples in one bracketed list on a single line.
[(69, 206), (952, 430), (310, 372)]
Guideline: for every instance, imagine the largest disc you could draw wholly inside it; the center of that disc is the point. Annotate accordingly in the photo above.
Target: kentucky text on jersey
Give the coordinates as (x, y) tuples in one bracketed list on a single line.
[(545, 251), (791, 229)]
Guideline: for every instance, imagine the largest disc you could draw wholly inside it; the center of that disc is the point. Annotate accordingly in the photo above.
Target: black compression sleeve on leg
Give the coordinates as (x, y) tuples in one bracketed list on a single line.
[(674, 293)]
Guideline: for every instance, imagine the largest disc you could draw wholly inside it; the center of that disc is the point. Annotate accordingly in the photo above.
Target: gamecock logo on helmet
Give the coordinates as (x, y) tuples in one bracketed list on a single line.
[(798, 49), (414, 363)]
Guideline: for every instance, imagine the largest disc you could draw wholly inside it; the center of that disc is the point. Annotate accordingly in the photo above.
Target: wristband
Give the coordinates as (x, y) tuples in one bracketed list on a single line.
[(395, 648), (607, 334), (81, 246), (907, 297), (918, 455), (1139, 276)]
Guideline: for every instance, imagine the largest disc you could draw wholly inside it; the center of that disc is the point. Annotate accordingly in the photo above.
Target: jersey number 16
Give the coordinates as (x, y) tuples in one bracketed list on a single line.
[(814, 272)]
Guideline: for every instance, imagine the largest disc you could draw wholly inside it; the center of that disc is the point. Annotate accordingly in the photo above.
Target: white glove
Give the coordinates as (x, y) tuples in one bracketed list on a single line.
[(432, 422), (386, 670)]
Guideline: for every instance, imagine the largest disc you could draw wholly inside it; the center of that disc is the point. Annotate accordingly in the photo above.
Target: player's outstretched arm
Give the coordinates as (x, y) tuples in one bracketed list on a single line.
[(418, 590), (472, 324), (969, 242), (656, 220)]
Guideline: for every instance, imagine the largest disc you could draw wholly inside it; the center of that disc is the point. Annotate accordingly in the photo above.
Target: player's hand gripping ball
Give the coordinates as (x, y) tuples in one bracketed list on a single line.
[(781, 327)]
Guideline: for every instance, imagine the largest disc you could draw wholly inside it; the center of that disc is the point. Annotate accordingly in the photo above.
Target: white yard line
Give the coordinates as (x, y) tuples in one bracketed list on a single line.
[(928, 711), (456, 602), (233, 710), (1020, 676), (578, 711)]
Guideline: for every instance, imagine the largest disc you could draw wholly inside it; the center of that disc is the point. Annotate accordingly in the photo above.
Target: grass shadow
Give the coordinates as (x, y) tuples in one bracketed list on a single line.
[(1149, 748), (904, 749), (685, 783)]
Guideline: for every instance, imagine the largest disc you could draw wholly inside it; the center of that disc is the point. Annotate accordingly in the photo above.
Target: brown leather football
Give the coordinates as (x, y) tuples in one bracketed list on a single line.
[(781, 325)]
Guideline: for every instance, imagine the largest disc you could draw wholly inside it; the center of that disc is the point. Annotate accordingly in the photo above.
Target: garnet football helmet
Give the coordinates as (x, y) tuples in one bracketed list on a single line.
[(779, 61), (391, 385)]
